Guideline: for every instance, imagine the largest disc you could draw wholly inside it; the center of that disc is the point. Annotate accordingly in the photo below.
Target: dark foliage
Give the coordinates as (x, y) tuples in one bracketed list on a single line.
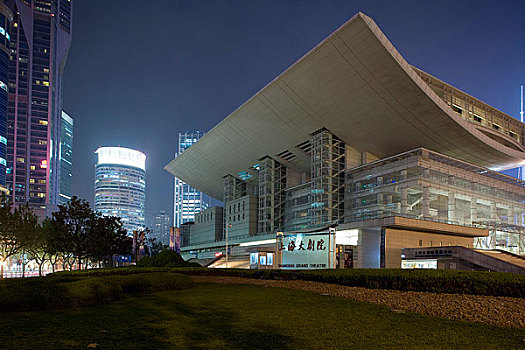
[(166, 258), (68, 292)]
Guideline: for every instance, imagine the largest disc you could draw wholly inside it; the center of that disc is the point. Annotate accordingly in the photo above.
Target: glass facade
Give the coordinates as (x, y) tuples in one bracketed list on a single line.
[(187, 200), (425, 185), (161, 227), (120, 185), (35, 102), (66, 157)]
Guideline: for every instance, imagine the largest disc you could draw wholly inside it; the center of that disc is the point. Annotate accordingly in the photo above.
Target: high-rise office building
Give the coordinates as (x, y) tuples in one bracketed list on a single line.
[(40, 40), (66, 157), (187, 200), (6, 17), (120, 185), (161, 227)]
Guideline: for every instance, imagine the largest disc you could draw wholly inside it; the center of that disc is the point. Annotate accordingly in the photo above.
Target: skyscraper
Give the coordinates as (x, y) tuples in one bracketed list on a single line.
[(187, 201), (66, 157), (120, 185), (161, 227), (40, 40), (6, 17)]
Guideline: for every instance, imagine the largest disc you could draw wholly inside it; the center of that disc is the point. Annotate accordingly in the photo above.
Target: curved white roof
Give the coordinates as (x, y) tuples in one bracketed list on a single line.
[(121, 156), (354, 84)]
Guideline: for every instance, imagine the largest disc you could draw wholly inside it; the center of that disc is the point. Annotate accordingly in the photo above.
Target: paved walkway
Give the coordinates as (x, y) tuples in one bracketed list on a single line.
[(498, 311)]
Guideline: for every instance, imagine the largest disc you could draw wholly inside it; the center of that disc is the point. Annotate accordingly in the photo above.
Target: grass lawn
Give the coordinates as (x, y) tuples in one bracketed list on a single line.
[(244, 317)]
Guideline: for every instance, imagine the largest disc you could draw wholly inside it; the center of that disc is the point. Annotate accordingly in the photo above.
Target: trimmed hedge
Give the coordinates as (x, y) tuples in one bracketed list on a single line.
[(114, 271), (45, 293), (435, 281)]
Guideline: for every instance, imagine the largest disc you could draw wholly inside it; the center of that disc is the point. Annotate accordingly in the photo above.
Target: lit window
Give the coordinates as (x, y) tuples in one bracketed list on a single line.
[(32, 167), (31, 181), (41, 195), (42, 122), (21, 160), (42, 142), (46, 83)]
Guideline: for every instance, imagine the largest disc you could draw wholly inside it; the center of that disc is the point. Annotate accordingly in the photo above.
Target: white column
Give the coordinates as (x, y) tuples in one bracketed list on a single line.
[(426, 202), (451, 206), (473, 209)]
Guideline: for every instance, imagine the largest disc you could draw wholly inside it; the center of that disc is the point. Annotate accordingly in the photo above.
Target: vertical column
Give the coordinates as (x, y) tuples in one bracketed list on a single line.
[(328, 166), (404, 200), (425, 202), (272, 182), (493, 212), (380, 205), (473, 209), (404, 192), (379, 197), (511, 215), (451, 206)]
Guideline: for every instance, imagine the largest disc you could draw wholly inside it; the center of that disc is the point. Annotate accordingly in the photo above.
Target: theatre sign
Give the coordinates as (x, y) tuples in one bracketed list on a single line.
[(302, 251)]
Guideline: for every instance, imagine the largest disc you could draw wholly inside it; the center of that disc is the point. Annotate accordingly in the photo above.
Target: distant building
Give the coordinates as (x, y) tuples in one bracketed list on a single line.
[(187, 200), (120, 185), (6, 18), (66, 157), (161, 227), (39, 42)]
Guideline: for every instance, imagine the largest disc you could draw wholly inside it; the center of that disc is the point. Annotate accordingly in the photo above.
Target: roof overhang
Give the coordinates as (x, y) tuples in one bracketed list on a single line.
[(354, 84)]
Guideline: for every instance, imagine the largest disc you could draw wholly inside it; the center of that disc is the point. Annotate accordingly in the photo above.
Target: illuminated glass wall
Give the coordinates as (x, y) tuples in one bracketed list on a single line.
[(161, 227), (40, 40), (187, 200), (422, 184), (66, 158), (120, 185)]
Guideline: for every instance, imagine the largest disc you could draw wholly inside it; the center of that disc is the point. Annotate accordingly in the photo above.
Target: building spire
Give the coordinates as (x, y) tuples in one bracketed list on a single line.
[(521, 170), (521, 110)]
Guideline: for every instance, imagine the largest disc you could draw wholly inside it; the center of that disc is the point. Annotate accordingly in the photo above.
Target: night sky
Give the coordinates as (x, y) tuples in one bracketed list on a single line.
[(139, 72)]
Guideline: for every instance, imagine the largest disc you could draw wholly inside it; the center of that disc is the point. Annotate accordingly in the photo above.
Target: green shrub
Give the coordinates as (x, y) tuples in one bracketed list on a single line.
[(166, 258)]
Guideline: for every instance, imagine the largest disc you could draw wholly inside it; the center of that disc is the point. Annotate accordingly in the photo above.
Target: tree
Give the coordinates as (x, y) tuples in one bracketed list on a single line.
[(54, 242), (108, 238), (30, 236), (73, 223), (155, 247), (9, 242)]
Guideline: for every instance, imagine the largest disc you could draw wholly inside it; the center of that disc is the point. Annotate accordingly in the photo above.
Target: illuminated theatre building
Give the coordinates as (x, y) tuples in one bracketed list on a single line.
[(120, 186), (352, 136)]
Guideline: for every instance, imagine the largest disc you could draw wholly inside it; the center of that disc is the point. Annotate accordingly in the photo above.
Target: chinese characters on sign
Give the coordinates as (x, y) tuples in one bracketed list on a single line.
[(311, 245), (306, 251)]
